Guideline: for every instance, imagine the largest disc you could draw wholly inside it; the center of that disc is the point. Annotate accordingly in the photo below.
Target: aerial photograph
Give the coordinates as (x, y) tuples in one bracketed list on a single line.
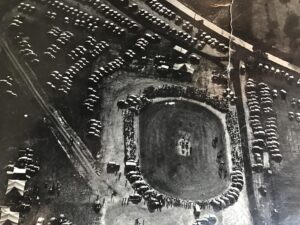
[(149, 112)]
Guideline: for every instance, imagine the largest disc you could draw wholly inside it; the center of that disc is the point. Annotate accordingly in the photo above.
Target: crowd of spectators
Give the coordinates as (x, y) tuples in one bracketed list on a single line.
[(129, 141), (187, 92), (235, 141)]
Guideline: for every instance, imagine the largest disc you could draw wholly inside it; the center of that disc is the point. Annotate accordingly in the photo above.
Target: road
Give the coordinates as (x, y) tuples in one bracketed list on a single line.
[(236, 40), (76, 150)]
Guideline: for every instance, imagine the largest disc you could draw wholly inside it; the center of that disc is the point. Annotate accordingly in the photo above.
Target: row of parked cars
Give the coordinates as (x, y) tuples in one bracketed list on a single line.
[(116, 16), (71, 73), (91, 101), (272, 143), (94, 128), (51, 15), (99, 48), (83, 20), (81, 57), (77, 52), (25, 48), (134, 103), (165, 27), (55, 31), (111, 67), (256, 124), (188, 27), (231, 195), (16, 23), (26, 8), (61, 39), (22, 41), (206, 219), (114, 29), (99, 73), (263, 122), (161, 9), (7, 86), (143, 189), (230, 96), (220, 78), (211, 41), (278, 73), (294, 115), (60, 220), (90, 48), (74, 16), (295, 102), (169, 14), (54, 78), (266, 99)]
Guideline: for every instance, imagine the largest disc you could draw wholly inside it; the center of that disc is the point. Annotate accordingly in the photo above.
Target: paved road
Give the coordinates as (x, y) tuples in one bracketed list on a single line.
[(194, 16), (77, 150)]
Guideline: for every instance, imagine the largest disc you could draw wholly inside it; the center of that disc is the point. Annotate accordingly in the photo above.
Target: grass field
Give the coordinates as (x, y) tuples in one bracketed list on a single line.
[(189, 177)]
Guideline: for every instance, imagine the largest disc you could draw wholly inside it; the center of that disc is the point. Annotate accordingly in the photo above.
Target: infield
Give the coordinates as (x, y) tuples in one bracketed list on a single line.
[(177, 153)]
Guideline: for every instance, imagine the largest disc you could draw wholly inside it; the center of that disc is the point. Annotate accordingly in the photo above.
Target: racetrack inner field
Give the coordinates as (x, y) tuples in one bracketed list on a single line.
[(176, 153)]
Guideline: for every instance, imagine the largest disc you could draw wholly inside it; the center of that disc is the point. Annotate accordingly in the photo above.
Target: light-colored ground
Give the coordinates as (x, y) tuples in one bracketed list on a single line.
[(117, 214)]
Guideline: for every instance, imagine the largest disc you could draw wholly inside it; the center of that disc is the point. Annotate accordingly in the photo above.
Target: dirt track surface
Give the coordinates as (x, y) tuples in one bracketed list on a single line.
[(192, 177)]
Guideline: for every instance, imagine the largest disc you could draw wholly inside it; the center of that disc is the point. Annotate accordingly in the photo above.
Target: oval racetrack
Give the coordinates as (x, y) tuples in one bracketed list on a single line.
[(165, 162)]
